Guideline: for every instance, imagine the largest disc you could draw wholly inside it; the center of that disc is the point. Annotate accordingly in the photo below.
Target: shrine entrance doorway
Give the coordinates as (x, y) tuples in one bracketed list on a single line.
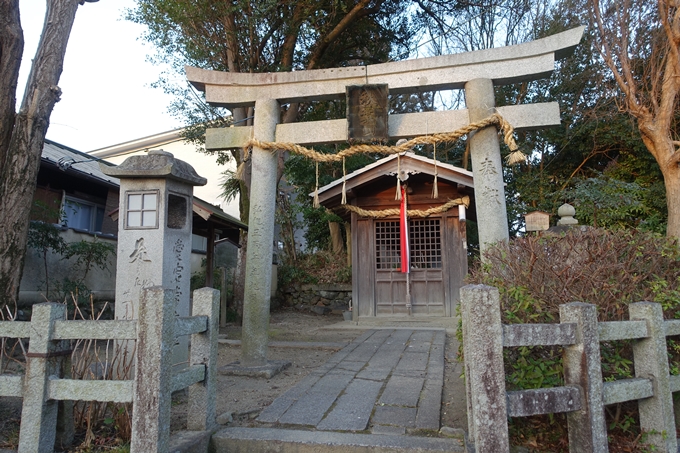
[(425, 290)]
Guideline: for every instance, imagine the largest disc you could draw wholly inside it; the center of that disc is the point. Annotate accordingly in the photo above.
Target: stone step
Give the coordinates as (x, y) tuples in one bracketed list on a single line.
[(265, 440)]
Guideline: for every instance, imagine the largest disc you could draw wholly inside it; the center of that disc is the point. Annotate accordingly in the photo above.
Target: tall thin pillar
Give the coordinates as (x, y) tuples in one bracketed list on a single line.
[(260, 238), (485, 154)]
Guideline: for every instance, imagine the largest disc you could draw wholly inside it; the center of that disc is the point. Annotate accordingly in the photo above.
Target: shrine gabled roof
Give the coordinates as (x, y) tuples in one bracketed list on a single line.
[(213, 213), (408, 162)]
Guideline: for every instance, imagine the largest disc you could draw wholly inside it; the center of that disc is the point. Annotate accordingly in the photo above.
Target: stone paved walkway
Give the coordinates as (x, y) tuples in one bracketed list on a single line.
[(388, 381)]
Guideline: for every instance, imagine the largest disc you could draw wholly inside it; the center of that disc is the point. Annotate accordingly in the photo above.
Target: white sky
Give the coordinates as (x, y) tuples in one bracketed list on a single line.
[(106, 94)]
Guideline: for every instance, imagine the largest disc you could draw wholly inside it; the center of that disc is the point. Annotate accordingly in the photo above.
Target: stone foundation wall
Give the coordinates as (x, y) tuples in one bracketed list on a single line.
[(321, 299)]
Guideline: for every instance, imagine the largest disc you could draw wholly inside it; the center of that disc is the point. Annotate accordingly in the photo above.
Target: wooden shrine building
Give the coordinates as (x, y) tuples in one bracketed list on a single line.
[(438, 247)]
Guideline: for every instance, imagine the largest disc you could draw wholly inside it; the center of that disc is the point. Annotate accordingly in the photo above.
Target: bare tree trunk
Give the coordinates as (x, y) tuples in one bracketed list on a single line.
[(672, 182), (240, 276), (348, 238), (11, 49), (651, 89), (240, 116), (20, 158), (337, 246)]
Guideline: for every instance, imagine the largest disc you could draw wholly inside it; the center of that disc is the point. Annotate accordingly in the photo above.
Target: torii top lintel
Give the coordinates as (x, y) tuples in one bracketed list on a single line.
[(529, 61)]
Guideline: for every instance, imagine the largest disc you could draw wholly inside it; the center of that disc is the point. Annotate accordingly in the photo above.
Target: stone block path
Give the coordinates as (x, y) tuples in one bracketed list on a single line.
[(386, 381)]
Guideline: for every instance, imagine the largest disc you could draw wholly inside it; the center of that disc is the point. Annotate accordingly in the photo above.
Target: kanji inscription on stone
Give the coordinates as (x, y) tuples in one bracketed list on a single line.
[(367, 107)]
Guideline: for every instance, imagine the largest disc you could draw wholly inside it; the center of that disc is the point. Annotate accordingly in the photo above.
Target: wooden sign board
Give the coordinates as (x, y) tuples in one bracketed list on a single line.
[(537, 221), (367, 107)]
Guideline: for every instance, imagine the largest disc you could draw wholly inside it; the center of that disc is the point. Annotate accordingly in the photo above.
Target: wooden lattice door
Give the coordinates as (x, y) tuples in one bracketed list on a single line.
[(426, 276)]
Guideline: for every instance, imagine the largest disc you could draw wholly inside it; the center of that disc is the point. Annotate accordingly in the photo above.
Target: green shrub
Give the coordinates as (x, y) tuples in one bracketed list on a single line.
[(85, 256), (46, 238), (88, 255), (197, 280)]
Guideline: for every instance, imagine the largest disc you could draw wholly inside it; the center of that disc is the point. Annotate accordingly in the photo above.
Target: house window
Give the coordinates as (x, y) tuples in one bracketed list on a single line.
[(142, 209), (199, 243), (83, 215)]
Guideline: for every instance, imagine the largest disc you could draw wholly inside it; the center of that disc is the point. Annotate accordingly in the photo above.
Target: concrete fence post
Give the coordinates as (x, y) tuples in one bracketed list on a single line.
[(65, 422), (651, 361), (583, 368), (201, 413), (484, 370), (153, 372), (38, 414)]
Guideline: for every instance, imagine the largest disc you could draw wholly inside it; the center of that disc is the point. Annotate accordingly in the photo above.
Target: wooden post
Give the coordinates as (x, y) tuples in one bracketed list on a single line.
[(223, 296), (484, 370), (348, 241), (651, 361), (210, 256), (583, 368), (201, 412)]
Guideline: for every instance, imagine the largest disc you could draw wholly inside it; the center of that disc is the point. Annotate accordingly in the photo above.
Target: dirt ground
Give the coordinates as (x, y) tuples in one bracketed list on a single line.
[(245, 397)]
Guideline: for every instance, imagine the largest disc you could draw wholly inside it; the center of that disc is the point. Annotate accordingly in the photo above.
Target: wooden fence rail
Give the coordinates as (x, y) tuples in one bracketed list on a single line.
[(584, 394), (43, 384)]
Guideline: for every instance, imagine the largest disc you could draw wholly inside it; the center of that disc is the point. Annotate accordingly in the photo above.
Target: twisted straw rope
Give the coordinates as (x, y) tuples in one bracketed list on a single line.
[(495, 119), (411, 212)]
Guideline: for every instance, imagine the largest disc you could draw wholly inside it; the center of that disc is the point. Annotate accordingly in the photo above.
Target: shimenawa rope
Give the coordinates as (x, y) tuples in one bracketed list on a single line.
[(514, 157), (495, 119), (411, 212)]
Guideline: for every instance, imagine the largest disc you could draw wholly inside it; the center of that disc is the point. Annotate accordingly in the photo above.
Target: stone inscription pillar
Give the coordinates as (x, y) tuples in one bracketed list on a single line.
[(257, 292), (485, 154), (154, 234)]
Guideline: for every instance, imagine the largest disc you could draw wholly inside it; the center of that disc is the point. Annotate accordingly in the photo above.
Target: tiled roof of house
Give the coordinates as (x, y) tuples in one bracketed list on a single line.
[(70, 159)]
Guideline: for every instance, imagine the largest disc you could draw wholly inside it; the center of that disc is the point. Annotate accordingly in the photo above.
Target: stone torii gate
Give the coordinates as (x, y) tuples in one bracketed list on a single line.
[(475, 72)]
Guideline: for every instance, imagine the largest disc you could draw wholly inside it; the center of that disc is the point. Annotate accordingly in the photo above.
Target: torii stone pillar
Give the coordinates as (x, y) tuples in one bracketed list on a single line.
[(154, 233), (487, 167), (257, 290)]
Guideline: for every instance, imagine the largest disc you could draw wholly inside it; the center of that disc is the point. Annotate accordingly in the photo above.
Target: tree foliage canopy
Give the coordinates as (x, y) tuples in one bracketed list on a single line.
[(598, 138)]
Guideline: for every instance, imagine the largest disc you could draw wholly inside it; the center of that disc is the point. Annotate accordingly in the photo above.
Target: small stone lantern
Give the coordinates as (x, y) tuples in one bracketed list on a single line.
[(154, 232), (566, 213)]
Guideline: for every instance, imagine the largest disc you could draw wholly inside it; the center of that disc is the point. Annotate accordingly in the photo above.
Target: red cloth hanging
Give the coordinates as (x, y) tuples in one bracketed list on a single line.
[(403, 232)]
